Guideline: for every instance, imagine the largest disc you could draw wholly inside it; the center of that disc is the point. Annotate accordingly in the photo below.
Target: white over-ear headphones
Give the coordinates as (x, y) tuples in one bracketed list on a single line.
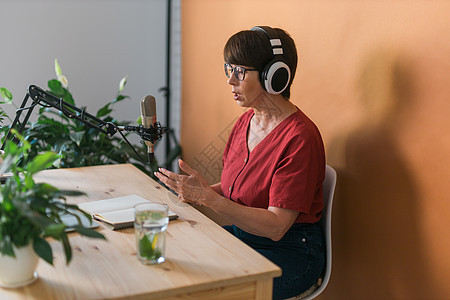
[(276, 74)]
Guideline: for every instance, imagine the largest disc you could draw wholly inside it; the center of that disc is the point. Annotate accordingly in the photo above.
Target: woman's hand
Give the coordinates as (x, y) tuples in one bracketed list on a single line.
[(192, 188)]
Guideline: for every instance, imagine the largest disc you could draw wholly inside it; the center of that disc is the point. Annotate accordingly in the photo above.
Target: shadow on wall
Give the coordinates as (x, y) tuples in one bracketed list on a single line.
[(379, 250)]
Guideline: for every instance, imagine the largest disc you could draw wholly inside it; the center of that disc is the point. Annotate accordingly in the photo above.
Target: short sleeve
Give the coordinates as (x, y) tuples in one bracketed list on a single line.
[(294, 181)]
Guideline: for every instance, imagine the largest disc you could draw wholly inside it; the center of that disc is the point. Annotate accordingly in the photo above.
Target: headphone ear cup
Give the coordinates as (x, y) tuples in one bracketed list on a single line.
[(276, 76)]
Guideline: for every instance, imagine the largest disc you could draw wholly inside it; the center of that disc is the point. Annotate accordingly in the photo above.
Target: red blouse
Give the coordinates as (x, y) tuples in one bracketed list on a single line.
[(286, 169)]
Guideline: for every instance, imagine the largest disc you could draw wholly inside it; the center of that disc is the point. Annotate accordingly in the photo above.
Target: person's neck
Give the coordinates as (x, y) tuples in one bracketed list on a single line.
[(271, 110)]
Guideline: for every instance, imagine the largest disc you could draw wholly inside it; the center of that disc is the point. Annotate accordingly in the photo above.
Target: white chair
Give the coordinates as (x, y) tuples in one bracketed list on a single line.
[(329, 185)]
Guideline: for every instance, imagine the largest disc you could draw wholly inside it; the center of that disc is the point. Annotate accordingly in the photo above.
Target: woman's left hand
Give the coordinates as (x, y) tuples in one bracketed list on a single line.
[(192, 188)]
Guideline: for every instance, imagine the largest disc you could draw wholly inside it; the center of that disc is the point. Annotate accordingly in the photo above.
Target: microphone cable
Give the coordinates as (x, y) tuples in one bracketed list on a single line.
[(129, 144)]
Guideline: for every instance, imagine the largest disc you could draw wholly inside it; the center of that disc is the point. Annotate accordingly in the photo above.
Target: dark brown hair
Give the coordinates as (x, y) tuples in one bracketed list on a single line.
[(252, 49)]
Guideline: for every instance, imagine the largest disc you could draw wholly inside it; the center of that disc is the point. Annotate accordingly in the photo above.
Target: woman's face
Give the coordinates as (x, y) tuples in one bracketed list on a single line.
[(246, 92)]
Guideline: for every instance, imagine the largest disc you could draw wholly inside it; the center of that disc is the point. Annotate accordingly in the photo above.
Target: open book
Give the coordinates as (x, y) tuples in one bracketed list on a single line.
[(116, 213)]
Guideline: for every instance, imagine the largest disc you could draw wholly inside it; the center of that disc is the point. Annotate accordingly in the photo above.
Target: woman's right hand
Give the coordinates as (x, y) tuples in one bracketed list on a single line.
[(191, 188)]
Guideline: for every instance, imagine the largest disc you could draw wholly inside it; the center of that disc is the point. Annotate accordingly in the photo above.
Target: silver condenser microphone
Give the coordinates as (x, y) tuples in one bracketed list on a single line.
[(148, 117)]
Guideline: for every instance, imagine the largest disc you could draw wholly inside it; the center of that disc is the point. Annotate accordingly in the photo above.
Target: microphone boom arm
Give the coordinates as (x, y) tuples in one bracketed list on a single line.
[(45, 99)]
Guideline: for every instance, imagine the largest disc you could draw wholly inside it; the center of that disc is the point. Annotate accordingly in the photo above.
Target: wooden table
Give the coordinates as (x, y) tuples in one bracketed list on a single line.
[(203, 261)]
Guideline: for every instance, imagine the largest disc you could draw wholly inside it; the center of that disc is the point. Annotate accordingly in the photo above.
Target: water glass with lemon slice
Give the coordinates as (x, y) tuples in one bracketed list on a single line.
[(150, 224)]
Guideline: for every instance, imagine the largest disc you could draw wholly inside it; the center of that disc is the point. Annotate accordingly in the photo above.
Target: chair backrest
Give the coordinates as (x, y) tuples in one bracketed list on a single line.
[(329, 185)]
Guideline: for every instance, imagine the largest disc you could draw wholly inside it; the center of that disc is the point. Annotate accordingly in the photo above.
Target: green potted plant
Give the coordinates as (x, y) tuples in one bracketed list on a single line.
[(29, 213)]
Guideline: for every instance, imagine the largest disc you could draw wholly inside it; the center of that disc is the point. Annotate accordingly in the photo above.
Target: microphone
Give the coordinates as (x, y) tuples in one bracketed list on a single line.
[(148, 117), (150, 131)]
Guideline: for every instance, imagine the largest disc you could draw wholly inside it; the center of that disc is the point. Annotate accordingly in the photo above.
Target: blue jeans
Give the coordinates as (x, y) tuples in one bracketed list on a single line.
[(300, 254)]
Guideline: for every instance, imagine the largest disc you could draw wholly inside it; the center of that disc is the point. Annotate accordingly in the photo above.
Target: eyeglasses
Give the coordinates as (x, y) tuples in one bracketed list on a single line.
[(238, 71)]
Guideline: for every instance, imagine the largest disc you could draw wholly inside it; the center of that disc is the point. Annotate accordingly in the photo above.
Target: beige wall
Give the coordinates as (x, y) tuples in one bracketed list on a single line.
[(375, 77)]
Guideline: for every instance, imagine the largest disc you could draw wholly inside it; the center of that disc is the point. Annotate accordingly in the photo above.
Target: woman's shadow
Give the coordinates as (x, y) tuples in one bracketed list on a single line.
[(378, 245)]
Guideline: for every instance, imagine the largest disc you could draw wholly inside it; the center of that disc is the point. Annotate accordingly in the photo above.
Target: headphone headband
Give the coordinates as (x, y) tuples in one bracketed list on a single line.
[(272, 35)]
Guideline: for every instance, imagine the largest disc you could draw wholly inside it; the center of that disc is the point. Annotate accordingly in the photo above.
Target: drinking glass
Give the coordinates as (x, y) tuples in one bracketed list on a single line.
[(150, 224)]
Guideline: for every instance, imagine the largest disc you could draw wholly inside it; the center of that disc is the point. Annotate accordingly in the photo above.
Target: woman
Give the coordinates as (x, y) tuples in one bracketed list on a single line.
[(273, 163)]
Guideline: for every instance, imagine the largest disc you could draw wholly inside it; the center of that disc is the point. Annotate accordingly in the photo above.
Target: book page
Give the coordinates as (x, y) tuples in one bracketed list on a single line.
[(116, 217), (113, 204)]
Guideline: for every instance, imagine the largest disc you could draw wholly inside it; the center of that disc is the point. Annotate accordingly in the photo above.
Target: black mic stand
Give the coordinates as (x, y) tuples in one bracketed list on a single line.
[(45, 99)]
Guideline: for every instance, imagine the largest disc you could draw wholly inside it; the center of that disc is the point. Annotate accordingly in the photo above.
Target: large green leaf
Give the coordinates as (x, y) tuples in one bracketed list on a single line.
[(43, 249), (120, 98), (105, 110), (88, 232), (41, 162), (55, 230), (68, 97), (56, 87), (6, 246), (70, 193), (67, 248)]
